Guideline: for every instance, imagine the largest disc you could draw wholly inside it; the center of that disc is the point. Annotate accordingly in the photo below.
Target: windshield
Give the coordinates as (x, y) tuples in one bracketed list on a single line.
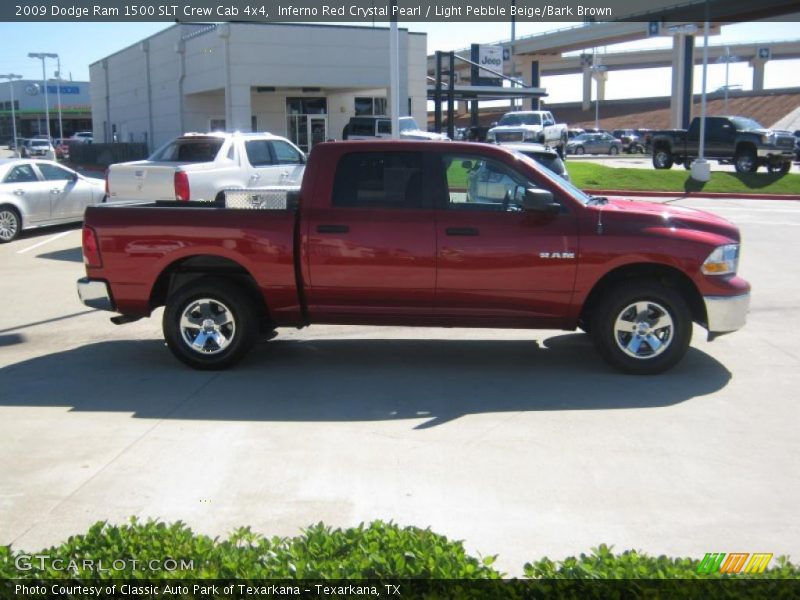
[(40, 143), (550, 160), (521, 119), (742, 123), (202, 149), (583, 137), (408, 124), (576, 193)]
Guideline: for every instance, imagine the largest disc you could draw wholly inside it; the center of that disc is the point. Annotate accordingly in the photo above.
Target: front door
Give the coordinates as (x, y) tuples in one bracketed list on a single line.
[(69, 196), (33, 195), (371, 253), (317, 130), (496, 261)]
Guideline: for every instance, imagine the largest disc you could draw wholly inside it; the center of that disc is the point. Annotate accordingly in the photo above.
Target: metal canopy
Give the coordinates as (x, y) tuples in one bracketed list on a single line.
[(488, 92)]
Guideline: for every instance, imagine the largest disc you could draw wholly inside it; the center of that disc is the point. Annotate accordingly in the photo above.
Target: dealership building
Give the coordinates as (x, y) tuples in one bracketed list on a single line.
[(30, 107), (296, 80)]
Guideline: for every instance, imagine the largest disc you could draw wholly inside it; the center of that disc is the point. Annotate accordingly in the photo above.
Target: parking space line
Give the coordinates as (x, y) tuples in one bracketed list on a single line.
[(43, 242)]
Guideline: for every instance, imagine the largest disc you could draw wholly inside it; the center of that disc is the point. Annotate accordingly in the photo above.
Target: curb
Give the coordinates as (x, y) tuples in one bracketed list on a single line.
[(712, 195)]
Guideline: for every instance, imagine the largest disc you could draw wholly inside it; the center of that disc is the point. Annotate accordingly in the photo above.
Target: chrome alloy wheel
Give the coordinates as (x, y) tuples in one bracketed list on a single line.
[(661, 158), (643, 329), (8, 225), (207, 326)]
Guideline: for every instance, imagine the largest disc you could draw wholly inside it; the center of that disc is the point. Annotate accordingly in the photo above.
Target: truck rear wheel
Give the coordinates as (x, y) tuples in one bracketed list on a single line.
[(642, 328), (662, 159), (210, 323)]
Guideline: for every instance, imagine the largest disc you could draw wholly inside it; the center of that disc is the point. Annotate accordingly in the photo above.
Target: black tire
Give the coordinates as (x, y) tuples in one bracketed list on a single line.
[(613, 151), (745, 161), (208, 301), (579, 150), (662, 158), (782, 168), (643, 304), (10, 224), (687, 164)]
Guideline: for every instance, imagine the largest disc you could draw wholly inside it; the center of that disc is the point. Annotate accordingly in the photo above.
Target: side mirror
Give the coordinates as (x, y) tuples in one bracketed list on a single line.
[(494, 124), (75, 177), (541, 201)]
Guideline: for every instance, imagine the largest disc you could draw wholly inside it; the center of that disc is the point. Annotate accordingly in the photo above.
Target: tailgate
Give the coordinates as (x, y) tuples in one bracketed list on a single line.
[(141, 181)]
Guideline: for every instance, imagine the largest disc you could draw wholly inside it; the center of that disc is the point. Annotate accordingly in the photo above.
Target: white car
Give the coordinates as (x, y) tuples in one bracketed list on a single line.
[(200, 166), (85, 137), (538, 126), (37, 193), (39, 148)]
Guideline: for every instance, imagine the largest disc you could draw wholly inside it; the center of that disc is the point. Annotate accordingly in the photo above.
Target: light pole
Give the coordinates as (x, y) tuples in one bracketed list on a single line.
[(11, 77), (42, 56), (58, 98), (700, 168), (727, 59)]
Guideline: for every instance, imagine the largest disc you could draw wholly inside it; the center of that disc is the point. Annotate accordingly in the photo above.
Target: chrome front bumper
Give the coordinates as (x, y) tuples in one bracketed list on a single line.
[(95, 294), (726, 313), (775, 152)]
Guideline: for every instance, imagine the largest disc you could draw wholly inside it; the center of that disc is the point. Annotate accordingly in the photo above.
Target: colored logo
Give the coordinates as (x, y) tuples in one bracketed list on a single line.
[(735, 562)]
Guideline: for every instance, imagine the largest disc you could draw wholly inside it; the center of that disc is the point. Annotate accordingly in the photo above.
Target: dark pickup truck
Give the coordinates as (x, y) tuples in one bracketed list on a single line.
[(738, 140), (418, 233)]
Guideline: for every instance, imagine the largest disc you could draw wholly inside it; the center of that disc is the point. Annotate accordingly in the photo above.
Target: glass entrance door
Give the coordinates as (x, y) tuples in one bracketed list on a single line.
[(306, 121)]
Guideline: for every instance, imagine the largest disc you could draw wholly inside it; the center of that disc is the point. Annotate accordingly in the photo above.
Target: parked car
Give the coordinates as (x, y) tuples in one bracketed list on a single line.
[(594, 143), (574, 132), (738, 140), (39, 148), (537, 126), (85, 137), (388, 233), (797, 145), (630, 140), (547, 157), (37, 193), (199, 166), (370, 128)]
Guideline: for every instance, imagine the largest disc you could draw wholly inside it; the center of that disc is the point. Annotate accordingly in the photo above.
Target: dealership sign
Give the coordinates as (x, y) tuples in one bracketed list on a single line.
[(490, 57)]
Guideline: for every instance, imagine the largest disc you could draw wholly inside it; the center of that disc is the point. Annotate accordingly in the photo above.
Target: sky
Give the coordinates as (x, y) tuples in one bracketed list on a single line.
[(80, 44)]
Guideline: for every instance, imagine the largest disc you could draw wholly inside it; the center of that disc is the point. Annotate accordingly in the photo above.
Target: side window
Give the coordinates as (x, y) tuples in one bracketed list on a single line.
[(379, 180), (385, 126), (21, 174), (361, 127), (286, 154), (54, 173), (258, 153), (475, 183)]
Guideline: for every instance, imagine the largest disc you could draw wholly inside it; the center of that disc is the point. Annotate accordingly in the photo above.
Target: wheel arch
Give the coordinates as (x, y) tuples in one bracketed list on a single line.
[(188, 268), (665, 274)]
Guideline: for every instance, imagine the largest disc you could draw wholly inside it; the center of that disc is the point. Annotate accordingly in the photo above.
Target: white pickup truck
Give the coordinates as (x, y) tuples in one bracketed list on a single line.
[(199, 166), (530, 126)]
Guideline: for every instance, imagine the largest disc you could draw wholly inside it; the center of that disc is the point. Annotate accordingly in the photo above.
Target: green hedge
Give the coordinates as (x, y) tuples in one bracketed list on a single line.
[(375, 551)]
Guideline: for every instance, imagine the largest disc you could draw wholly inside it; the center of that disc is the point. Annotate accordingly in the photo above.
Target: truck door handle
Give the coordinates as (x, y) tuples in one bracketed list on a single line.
[(332, 229), (462, 231), (19, 192), (55, 191)]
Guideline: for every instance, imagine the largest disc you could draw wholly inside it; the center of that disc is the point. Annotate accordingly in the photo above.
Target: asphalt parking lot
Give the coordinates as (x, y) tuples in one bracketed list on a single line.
[(521, 443)]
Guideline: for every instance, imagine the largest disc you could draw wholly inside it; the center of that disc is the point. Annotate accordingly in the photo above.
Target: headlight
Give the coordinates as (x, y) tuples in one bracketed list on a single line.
[(724, 260), (528, 135), (768, 139), (490, 136)]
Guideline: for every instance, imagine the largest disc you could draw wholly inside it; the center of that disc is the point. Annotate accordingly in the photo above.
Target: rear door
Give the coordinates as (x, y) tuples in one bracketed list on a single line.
[(496, 262), (370, 247)]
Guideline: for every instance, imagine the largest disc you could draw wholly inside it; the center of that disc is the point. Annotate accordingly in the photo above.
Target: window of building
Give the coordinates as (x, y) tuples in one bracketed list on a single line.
[(379, 180), (367, 105), (216, 125), (307, 106)]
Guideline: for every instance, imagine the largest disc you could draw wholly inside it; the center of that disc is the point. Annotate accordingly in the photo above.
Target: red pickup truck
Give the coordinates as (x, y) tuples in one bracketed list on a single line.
[(420, 233)]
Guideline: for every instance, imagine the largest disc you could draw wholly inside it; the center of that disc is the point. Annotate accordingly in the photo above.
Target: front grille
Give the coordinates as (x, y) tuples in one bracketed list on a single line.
[(785, 142), (508, 136)]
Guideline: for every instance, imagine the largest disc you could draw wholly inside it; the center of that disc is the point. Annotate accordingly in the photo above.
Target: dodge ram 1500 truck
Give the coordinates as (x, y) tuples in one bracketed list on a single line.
[(420, 233), (736, 140)]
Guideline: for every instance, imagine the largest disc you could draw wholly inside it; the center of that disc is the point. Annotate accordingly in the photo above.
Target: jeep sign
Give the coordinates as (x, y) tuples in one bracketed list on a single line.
[(490, 57)]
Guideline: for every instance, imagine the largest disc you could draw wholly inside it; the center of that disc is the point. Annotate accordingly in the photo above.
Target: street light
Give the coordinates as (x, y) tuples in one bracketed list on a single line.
[(57, 79), (11, 77), (727, 59), (43, 56)]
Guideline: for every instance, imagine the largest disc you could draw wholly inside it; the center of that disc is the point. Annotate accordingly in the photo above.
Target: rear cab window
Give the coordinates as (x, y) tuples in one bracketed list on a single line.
[(190, 150), (388, 180)]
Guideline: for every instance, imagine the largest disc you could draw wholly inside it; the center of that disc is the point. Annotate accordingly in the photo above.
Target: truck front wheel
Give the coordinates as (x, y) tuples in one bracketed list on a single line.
[(662, 159), (745, 161), (210, 323), (642, 328)]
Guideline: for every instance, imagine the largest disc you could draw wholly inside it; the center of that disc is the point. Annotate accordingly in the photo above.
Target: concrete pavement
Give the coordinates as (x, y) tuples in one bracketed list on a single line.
[(521, 443)]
